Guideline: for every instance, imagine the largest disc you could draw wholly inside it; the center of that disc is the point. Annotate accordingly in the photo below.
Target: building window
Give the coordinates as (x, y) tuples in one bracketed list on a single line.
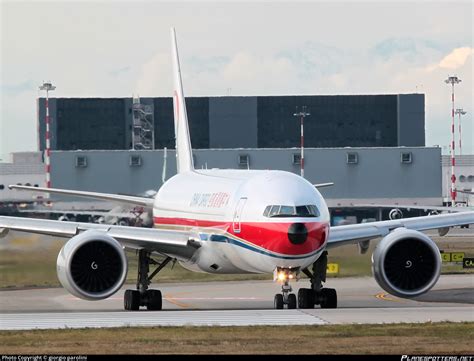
[(244, 161), (135, 161), (352, 158), (406, 157), (296, 159), (81, 161), (2, 187), (462, 178), (470, 178)]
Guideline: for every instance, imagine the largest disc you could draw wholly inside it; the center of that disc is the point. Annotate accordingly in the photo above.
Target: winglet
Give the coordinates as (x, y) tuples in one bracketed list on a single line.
[(184, 155)]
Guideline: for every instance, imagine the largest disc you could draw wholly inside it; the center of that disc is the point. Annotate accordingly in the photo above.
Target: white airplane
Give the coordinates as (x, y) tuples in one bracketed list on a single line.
[(235, 221), (122, 214)]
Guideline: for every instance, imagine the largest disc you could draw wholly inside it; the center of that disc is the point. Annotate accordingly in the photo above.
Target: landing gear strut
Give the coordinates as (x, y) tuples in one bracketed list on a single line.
[(143, 296), (285, 297), (317, 295)]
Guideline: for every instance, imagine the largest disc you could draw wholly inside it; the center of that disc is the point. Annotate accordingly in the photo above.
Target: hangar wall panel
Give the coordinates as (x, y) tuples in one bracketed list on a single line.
[(334, 121), (233, 122), (411, 120), (229, 122), (378, 174)]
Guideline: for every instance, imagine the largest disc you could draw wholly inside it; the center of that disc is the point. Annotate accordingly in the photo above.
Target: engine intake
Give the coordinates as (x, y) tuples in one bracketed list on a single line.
[(92, 265), (406, 263)]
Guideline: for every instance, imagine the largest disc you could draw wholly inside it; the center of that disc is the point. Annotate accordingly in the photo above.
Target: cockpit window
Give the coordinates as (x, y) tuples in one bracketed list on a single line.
[(291, 211)]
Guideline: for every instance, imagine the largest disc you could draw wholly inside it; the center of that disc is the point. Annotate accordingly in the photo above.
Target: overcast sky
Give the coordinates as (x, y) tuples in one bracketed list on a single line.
[(116, 49)]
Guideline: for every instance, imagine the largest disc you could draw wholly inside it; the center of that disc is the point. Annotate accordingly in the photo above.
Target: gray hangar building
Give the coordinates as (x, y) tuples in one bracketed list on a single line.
[(239, 122), (371, 146)]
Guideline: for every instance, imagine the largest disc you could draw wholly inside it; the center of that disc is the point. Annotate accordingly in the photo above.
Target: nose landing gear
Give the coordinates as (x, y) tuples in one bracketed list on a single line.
[(287, 298)]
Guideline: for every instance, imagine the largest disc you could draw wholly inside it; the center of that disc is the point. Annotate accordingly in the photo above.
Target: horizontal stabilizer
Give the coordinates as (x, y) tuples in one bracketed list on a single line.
[(321, 185)]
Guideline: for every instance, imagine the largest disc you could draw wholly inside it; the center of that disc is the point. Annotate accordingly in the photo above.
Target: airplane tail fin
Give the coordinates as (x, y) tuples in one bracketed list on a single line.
[(184, 154)]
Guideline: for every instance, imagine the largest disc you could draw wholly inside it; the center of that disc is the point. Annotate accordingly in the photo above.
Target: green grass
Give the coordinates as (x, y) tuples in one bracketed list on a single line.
[(427, 338)]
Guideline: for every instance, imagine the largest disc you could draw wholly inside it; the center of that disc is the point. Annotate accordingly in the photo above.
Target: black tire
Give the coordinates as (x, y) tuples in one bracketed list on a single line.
[(131, 300), (291, 301), (305, 298), (278, 301), (328, 298), (154, 300)]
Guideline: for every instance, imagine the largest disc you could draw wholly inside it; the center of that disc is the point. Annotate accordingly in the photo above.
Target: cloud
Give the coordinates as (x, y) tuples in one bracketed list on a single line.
[(155, 76), (409, 49), (454, 60), (120, 71), (18, 88)]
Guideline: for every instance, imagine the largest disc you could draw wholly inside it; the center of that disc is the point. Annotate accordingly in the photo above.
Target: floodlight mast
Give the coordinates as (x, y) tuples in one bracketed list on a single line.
[(453, 80), (48, 87), (303, 114), (460, 111)]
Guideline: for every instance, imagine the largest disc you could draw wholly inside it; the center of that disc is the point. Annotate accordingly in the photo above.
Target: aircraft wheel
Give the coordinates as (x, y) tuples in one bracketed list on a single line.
[(305, 298), (291, 301), (328, 298), (154, 300), (131, 300), (278, 301)]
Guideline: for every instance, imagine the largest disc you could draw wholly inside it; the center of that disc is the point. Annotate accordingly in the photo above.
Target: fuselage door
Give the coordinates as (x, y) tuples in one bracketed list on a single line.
[(238, 214)]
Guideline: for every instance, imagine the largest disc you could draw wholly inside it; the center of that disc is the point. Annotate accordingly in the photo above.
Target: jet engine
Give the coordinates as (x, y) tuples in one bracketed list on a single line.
[(406, 263), (395, 214), (92, 265)]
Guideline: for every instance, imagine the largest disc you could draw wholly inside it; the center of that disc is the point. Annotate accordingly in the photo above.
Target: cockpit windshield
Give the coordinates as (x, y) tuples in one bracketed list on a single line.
[(291, 211)]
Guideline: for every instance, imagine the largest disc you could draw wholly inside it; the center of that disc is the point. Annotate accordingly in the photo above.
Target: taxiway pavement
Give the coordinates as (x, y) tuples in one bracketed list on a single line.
[(242, 303)]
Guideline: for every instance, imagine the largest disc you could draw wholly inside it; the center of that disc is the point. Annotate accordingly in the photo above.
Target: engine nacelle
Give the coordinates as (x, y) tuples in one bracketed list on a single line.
[(406, 263), (395, 214), (92, 265)]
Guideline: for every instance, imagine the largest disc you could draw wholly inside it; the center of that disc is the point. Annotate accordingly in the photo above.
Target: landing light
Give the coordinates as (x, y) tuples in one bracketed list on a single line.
[(283, 275)]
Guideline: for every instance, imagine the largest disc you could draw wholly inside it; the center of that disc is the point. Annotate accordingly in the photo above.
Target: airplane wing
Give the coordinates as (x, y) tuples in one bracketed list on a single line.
[(355, 233), (139, 201), (176, 244), (70, 211), (408, 207), (79, 213)]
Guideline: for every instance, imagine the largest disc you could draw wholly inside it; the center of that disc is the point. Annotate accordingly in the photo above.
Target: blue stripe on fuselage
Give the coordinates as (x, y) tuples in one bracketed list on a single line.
[(236, 242)]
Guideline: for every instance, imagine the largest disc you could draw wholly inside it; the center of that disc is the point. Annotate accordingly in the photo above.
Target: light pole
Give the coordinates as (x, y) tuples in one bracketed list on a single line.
[(48, 87), (460, 111), (303, 114), (453, 80)]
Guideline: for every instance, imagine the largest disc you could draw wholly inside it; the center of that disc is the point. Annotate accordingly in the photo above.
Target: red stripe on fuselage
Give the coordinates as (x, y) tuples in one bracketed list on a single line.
[(270, 236)]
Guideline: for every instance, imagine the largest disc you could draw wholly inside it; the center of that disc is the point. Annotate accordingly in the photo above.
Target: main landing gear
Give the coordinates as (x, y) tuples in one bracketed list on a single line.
[(317, 295), (143, 296), (307, 297)]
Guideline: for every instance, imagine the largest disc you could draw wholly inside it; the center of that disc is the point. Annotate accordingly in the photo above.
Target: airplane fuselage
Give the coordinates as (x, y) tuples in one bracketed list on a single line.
[(247, 221)]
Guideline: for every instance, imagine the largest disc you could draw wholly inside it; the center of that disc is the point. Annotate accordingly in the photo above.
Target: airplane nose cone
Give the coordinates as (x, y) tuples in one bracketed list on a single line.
[(297, 233)]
